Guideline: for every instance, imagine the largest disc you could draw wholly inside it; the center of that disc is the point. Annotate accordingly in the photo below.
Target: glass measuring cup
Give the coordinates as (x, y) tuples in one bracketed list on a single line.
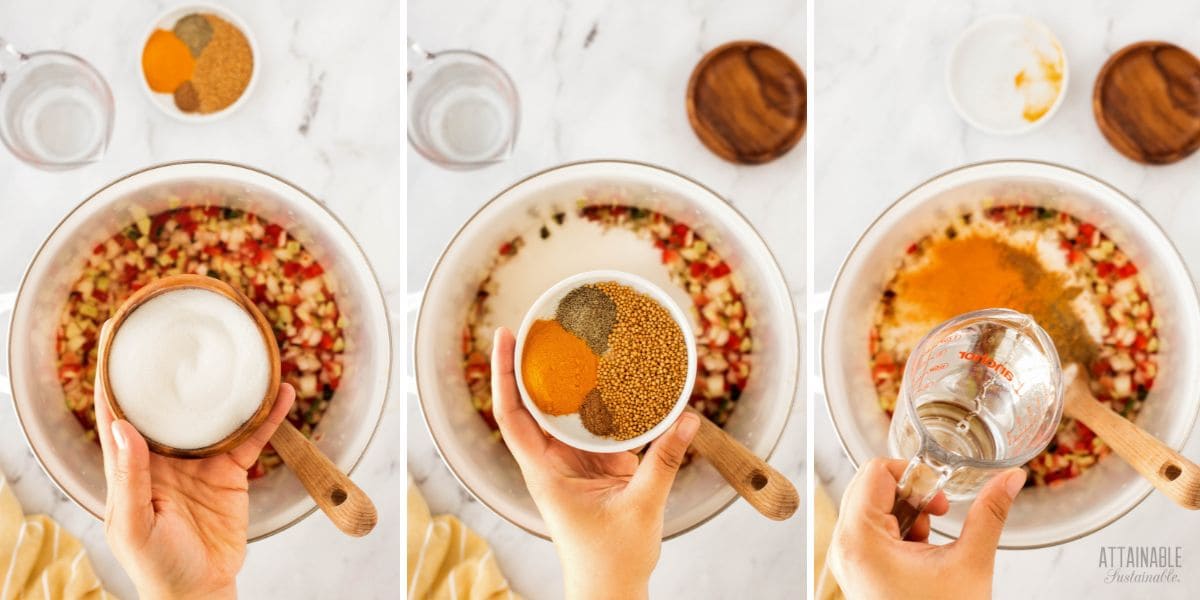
[(981, 393), (56, 111), (463, 109)]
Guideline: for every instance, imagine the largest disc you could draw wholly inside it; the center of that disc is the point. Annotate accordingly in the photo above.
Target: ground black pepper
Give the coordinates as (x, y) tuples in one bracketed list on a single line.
[(590, 314)]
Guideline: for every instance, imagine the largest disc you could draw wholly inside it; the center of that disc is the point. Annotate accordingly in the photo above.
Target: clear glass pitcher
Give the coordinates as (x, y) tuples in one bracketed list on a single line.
[(56, 111), (981, 393), (463, 109)]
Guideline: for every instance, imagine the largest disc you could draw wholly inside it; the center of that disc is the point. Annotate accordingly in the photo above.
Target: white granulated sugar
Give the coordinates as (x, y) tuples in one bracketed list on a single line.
[(188, 368)]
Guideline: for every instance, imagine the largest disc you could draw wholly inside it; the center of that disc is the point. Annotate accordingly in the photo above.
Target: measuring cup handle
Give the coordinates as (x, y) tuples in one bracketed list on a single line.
[(922, 480), (10, 57), (417, 55)]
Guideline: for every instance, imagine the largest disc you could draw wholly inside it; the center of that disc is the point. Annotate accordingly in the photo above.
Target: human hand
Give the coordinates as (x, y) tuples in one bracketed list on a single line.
[(869, 559), (604, 511), (178, 526)]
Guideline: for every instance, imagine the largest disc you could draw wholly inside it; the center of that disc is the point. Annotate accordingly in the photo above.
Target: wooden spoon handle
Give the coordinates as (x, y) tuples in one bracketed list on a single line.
[(1168, 470), (346, 505), (766, 489)]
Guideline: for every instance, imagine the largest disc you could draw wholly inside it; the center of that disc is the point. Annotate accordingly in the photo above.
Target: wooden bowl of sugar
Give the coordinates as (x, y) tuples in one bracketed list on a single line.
[(192, 364)]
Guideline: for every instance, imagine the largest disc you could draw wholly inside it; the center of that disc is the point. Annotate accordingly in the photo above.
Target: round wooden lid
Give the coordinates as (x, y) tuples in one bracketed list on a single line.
[(747, 102), (1147, 102)]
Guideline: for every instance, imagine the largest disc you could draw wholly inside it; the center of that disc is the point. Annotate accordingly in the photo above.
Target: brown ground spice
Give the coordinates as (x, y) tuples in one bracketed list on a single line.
[(641, 376), (595, 415), (186, 98), (224, 68)]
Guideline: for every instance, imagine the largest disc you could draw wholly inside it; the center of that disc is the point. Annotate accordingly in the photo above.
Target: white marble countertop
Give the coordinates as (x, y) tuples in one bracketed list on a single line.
[(607, 81), (883, 123), (326, 115)]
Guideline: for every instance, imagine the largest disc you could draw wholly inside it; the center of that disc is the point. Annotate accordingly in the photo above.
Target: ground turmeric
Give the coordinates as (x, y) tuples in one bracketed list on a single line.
[(975, 272), (557, 368), (166, 62)]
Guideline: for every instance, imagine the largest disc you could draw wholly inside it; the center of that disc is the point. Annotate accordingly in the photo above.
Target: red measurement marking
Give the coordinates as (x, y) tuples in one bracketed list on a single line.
[(988, 362)]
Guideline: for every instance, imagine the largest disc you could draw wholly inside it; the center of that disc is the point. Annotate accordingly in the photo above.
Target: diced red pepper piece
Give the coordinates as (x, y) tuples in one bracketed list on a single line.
[(720, 270), (698, 268), (1127, 270), (274, 232), (1085, 436), (313, 270), (1105, 268), (290, 268)]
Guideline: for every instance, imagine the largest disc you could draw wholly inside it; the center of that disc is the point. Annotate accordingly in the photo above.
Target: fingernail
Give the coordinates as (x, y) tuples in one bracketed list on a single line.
[(119, 436), (688, 424), (1014, 483)]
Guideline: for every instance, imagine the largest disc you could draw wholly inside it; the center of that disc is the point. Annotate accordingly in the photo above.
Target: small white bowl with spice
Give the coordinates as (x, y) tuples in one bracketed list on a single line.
[(1007, 74), (605, 361), (198, 62)]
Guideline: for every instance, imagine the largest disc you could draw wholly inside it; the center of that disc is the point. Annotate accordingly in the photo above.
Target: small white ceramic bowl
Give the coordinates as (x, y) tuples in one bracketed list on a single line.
[(167, 20), (980, 70), (569, 428)]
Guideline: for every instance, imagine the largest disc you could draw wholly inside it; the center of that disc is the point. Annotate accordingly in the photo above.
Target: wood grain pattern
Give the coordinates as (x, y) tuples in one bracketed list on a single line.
[(766, 489), (343, 503), (350, 509), (177, 282), (1147, 102), (747, 102), (1168, 470)]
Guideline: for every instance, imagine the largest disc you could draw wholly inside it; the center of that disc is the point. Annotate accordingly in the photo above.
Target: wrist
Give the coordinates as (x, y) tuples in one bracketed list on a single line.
[(594, 586), (222, 592)]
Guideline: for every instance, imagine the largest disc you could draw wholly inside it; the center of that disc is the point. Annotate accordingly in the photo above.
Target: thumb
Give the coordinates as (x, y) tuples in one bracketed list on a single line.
[(129, 510), (656, 473), (985, 521)]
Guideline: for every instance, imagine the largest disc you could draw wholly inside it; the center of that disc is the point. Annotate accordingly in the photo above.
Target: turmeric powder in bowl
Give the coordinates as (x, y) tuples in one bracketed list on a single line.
[(166, 62), (558, 368)]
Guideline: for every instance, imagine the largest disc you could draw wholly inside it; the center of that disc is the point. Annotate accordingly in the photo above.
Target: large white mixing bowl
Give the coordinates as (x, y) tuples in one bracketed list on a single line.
[(277, 501), (483, 465), (1041, 516)]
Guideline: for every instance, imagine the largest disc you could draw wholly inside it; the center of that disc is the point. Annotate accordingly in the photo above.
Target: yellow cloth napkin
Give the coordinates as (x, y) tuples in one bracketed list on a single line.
[(446, 560), (38, 559), (824, 518)]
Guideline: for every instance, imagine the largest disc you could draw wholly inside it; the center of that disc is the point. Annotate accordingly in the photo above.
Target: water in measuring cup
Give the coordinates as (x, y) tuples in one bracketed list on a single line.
[(462, 115), (468, 124), (54, 114)]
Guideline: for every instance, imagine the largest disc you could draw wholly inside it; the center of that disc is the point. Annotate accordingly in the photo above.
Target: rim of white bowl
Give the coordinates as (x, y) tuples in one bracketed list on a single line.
[(595, 443)]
